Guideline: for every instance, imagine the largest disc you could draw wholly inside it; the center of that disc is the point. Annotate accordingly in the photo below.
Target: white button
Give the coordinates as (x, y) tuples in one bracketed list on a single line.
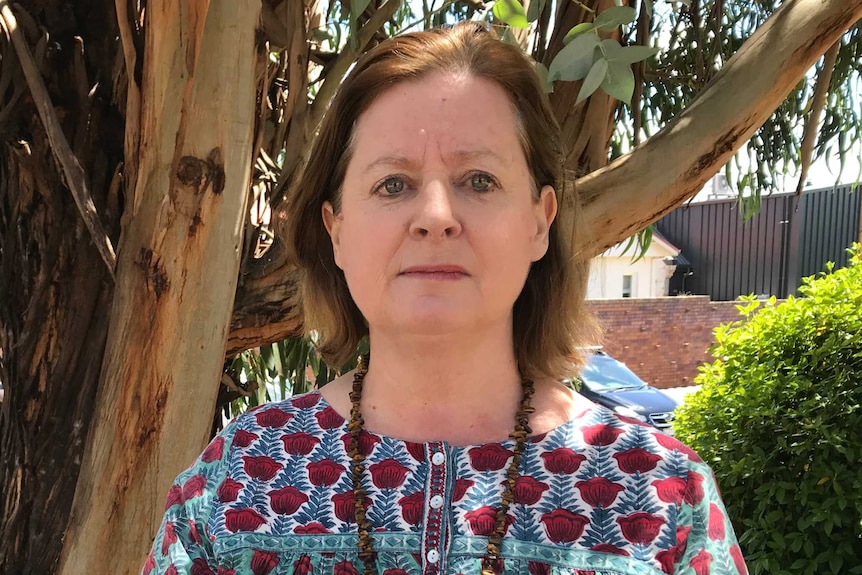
[(436, 502), (433, 556), (438, 458)]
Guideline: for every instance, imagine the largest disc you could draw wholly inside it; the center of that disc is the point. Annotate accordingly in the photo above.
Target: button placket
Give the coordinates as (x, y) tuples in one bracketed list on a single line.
[(433, 534)]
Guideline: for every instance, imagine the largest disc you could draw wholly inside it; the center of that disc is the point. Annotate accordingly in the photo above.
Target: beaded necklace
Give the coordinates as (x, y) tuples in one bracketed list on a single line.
[(519, 435)]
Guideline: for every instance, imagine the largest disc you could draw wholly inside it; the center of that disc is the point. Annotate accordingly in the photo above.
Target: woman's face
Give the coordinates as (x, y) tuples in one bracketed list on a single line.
[(438, 224)]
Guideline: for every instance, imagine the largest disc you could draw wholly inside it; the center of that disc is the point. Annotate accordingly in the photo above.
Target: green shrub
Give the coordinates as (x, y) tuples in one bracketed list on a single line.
[(779, 418)]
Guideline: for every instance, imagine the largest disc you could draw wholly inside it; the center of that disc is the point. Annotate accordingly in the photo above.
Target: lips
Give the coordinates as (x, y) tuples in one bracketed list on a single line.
[(438, 272)]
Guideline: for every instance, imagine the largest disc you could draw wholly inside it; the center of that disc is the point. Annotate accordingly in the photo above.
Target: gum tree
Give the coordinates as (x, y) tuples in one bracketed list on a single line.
[(147, 145)]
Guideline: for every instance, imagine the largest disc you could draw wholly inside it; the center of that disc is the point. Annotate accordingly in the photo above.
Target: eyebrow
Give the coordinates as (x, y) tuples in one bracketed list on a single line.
[(459, 156)]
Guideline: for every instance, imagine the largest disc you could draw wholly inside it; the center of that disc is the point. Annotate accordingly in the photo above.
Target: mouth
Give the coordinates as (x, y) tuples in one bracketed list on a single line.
[(435, 272)]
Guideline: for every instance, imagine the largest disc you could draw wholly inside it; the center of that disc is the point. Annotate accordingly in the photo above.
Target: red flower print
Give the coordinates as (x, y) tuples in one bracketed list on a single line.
[(306, 401), (175, 496), (700, 562), (366, 442), (667, 559), (149, 565), (171, 570), (528, 490), (461, 487), (243, 438), (694, 488), (641, 527), (328, 418), (300, 443), (608, 548), (738, 561), (200, 567), (599, 491), (636, 460), (416, 450), (262, 562), (394, 571), (715, 527), (287, 500), (345, 506), (224, 571), (563, 526), (388, 474), (669, 442), (213, 450), (483, 520), (489, 457), (563, 460), (229, 490), (302, 566), (272, 417), (344, 568), (193, 533), (242, 520), (412, 507), (670, 490), (194, 486), (601, 434), (169, 538), (681, 540), (537, 568), (261, 467), (324, 472), (311, 529)]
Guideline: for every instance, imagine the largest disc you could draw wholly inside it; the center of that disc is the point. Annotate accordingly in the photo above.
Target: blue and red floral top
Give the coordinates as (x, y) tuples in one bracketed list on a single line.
[(599, 495)]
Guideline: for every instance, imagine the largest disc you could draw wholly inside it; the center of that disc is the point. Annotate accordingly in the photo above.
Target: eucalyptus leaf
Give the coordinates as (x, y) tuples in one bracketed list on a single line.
[(511, 12), (594, 79), (574, 61), (534, 10), (542, 72), (614, 17), (632, 54), (576, 31), (619, 81), (357, 7)]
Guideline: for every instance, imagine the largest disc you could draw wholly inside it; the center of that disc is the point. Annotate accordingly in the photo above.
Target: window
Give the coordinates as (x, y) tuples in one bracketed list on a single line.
[(628, 283)]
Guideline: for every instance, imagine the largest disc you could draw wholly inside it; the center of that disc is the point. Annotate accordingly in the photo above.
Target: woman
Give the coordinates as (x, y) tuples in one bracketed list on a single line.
[(454, 448)]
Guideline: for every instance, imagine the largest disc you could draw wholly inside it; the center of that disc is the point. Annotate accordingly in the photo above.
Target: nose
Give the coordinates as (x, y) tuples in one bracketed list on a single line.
[(436, 216)]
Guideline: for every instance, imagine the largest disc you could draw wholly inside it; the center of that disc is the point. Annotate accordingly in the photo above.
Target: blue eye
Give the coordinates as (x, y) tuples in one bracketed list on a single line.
[(392, 186), (481, 182)]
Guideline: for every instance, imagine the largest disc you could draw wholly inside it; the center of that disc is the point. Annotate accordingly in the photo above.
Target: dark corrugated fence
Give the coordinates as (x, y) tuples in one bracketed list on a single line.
[(770, 253)]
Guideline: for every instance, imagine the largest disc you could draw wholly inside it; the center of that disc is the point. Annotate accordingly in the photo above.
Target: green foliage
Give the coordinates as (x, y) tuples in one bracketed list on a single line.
[(280, 370), (600, 63), (779, 418)]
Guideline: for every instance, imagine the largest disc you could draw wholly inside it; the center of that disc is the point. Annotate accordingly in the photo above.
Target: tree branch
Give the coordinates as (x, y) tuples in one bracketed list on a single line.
[(644, 185), (821, 90), (76, 180)]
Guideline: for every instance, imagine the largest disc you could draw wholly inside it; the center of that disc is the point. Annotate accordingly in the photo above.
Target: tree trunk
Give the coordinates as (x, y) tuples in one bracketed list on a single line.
[(176, 277), (55, 291)]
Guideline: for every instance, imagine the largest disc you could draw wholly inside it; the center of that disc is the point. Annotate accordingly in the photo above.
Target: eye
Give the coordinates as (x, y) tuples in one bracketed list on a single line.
[(482, 182), (391, 186)]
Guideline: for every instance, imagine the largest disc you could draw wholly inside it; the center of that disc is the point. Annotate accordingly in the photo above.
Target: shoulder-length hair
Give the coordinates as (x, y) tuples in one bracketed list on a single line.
[(550, 323)]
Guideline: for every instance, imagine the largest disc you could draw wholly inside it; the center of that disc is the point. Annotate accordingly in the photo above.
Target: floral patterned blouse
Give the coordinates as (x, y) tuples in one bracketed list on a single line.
[(599, 495)]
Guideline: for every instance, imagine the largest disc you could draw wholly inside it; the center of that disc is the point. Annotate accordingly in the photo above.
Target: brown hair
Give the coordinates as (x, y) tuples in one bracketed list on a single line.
[(550, 320)]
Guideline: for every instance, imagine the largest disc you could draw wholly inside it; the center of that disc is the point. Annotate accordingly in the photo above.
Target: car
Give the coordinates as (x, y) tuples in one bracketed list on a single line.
[(608, 382)]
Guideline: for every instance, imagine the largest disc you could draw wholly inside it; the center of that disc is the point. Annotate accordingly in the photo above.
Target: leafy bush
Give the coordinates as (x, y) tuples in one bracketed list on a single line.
[(779, 418)]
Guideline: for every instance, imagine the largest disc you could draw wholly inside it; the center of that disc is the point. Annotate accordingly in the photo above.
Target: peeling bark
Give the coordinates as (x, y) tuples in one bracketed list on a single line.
[(176, 277)]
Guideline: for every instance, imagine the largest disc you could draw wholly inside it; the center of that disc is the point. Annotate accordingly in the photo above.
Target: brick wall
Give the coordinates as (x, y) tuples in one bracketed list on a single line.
[(663, 340)]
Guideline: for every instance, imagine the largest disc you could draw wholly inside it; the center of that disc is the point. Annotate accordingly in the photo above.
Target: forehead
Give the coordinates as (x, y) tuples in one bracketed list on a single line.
[(455, 114)]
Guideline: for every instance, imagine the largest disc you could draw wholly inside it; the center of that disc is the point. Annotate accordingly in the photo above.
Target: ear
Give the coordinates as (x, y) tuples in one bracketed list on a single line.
[(332, 223), (545, 210)]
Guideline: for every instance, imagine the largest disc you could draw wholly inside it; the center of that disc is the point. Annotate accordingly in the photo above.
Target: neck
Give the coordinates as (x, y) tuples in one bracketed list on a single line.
[(427, 387)]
